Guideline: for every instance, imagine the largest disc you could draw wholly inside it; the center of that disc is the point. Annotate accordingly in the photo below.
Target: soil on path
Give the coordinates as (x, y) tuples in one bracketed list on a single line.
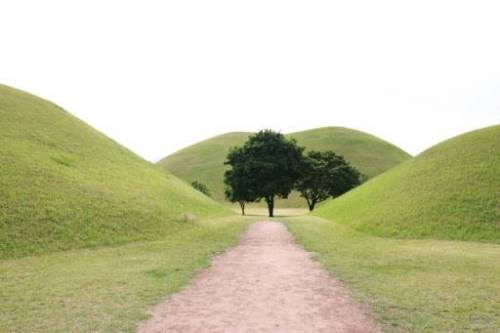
[(264, 284)]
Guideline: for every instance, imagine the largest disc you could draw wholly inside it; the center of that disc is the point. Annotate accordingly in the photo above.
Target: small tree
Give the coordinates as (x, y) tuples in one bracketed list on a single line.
[(238, 190), (266, 166), (324, 175), (233, 196), (201, 187)]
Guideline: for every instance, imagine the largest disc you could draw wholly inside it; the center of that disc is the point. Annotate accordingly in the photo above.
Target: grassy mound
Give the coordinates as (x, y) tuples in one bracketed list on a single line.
[(65, 185), (450, 191), (369, 154), (204, 161)]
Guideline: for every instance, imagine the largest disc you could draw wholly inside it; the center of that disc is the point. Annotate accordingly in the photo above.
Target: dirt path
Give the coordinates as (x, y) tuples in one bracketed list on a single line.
[(265, 284)]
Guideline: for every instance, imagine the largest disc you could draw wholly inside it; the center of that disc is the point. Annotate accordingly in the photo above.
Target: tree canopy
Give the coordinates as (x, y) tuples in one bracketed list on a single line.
[(265, 167), (323, 175), (238, 188)]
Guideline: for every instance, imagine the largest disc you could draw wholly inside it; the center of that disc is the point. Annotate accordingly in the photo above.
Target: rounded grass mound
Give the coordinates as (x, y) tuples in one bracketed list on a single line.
[(204, 161), (451, 191), (65, 185), (368, 153)]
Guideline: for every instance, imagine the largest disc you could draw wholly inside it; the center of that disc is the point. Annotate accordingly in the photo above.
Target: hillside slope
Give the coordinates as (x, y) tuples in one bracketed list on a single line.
[(65, 185), (451, 191), (204, 161), (369, 154)]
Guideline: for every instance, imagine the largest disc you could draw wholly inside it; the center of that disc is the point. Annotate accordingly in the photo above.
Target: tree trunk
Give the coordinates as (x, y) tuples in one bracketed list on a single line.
[(242, 205), (270, 206), (311, 205)]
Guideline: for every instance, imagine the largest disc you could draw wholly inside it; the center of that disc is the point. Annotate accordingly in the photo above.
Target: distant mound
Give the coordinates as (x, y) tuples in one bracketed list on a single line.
[(451, 191), (369, 154), (204, 161), (65, 185)]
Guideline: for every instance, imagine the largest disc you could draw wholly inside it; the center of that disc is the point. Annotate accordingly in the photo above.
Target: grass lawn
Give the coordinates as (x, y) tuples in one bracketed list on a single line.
[(107, 289), (278, 212), (411, 285)]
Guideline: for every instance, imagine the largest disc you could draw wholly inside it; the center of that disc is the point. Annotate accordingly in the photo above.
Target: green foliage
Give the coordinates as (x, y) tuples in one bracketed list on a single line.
[(267, 165), (411, 285), (201, 187), (204, 161), (108, 289), (450, 191), (323, 175), (64, 185), (238, 185)]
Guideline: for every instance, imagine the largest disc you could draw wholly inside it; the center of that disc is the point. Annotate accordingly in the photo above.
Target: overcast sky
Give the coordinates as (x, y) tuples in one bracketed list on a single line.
[(159, 75)]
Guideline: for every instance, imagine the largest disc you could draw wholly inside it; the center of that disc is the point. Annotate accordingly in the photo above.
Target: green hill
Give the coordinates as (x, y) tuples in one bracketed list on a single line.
[(204, 161), (369, 154), (65, 185), (451, 191)]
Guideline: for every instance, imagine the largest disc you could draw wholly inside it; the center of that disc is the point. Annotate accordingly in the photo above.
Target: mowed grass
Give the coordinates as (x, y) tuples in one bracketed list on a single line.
[(368, 153), (204, 161), (278, 212), (106, 289), (64, 185), (451, 191), (411, 285)]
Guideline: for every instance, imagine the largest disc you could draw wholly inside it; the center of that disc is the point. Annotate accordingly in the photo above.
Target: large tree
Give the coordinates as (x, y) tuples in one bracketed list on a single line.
[(323, 175), (267, 166)]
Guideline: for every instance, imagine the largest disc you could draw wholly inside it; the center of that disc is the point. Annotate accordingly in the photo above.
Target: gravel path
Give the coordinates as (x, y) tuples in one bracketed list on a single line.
[(265, 284)]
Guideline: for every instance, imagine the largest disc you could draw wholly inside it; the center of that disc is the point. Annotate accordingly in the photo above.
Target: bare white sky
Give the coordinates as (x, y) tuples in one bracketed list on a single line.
[(159, 75)]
